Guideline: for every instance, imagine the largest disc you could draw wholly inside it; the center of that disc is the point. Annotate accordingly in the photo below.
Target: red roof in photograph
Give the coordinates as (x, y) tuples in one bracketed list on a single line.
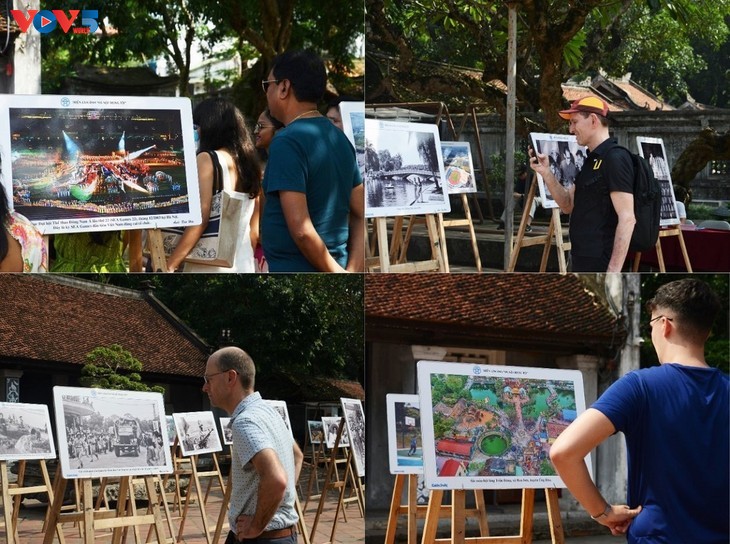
[(450, 468), (514, 309), (58, 319), (459, 448)]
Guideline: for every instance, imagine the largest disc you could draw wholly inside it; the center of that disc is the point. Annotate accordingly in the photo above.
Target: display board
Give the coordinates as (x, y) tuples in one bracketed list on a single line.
[(565, 157), (331, 425), (25, 432), (353, 125), (109, 433), (652, 149), (491, 427), (355, 423), (197, 433), (97, 163), (458, 167), (404, 172), (405, 445)]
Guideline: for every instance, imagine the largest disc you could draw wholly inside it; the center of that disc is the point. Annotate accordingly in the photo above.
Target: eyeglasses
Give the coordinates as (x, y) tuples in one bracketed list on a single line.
[(646, 329), (258, 127), (265, 83), (207, 377)]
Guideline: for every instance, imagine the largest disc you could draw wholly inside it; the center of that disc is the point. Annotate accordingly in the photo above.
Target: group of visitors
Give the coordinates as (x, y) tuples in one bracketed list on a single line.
[(305, 205)]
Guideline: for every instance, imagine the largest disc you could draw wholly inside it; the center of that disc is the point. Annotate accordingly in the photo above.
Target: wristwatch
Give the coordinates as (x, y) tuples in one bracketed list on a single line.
[(604, 513)]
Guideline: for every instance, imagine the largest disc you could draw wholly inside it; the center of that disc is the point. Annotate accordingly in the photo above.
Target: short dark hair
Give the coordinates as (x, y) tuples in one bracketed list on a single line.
[(274, 121), (233, 358), (305, 71), (693, 303)]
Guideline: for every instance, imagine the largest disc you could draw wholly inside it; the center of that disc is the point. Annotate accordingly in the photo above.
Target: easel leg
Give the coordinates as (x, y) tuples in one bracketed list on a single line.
[(556, 523), (59, 490), (412, 508), (660, 255), (381, 228), (436, 243), (683, 247), (432, 516), (444, 247), (7, 503), (458, 516), (528, 511), (394, 508), (87, 499)]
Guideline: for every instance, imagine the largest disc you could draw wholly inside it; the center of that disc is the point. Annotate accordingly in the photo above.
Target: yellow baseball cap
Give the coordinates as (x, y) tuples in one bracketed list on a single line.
[(589, 104)]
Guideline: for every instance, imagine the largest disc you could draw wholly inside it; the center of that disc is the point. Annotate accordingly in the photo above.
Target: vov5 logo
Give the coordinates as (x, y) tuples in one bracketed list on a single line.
[(46, 21)]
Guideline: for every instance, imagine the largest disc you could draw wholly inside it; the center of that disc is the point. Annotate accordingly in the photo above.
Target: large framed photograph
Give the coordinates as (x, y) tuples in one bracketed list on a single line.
[(404, 172), (25, 432), (280, 407), (652, 149), (355, 422), (225, 423), (109, 433), (316, 432), (331, 425), (566, 160), (97, 163), (492, 426), (353, 125), (197, 433), (458, 167), (405, 445)]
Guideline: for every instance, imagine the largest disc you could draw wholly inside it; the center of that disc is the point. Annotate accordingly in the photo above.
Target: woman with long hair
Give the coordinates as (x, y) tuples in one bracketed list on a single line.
[(222, 130), (22, 248)]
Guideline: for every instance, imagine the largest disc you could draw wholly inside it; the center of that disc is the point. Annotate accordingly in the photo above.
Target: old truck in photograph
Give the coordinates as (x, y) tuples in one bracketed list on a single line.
[(127, 436)]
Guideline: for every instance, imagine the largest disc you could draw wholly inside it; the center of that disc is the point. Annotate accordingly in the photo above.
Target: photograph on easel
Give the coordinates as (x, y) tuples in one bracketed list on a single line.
[(171, 432), (652, 149), (331, 425), (316, 432), (25, 432), (458, 167), (404, 172), (405, 444), (108, 433), (353, 125), (197, 433), (492, 426), (99, 163), (565, 157), (281, 409), (225, 423), (355, 423)]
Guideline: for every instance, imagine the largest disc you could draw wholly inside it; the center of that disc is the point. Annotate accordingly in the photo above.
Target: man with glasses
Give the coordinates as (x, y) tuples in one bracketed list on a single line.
[(314, 218), (675, 420), (266, 460)]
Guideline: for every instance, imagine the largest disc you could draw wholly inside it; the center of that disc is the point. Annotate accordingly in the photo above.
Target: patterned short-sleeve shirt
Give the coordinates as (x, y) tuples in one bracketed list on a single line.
[(257, 426)]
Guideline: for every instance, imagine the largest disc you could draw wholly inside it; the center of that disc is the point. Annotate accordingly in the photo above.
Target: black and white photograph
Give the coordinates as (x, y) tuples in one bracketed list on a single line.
[(355, 422), (353, 125), (108, 433), (566, 159), (226, 430), (331, 425), (280, 406), (316, 432), (652, 149), (458, 167), (197, 433), (171, 433), (404, 172), (25, 432)]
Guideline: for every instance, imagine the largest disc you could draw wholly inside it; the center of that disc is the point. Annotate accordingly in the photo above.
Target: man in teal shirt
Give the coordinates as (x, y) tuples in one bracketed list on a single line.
[(314, 216)]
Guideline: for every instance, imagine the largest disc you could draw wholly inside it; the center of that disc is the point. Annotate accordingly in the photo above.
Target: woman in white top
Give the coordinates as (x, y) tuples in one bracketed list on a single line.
[(222, 129)]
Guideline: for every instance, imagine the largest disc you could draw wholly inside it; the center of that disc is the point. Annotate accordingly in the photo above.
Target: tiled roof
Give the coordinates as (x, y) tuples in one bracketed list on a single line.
[(309, 389), (57, 319), (520, 308)]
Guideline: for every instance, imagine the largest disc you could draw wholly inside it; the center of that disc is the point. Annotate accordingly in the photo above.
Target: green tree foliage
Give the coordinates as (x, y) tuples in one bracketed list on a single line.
[(717, 347), (301, 324), (113, 367)]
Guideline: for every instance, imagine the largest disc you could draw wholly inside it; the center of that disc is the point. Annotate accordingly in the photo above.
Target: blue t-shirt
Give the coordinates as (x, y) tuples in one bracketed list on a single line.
[(313, 157), (677, 427)]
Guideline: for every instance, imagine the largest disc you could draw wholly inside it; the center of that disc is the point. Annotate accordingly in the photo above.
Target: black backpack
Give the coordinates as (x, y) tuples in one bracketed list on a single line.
[(647, 204)]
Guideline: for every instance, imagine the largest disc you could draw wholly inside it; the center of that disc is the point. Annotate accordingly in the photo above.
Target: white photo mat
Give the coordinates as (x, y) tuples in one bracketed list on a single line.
[(652, 149), (499, 436), (25, 432), (355, 423), (197, 433), (458, 167), (99, 163), (109, 433), (564, 167), (404, 172), (403, 428)]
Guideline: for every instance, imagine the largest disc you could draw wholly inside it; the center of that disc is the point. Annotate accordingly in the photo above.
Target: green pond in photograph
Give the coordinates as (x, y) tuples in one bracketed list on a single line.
[(481, 394), (494, 444)]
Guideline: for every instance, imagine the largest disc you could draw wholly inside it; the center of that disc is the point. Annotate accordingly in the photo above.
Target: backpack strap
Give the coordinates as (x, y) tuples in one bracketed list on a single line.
[(217, 172)]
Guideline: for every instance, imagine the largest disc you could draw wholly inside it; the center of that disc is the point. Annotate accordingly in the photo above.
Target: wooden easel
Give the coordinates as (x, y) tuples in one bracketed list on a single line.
[(195, 477), (154, 247), (436, 264), (672, 230), (555, 231), (318, 457), (12, 495), (330, 485), (91, 520), (350, 475), (459, 514), (413, 511)]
